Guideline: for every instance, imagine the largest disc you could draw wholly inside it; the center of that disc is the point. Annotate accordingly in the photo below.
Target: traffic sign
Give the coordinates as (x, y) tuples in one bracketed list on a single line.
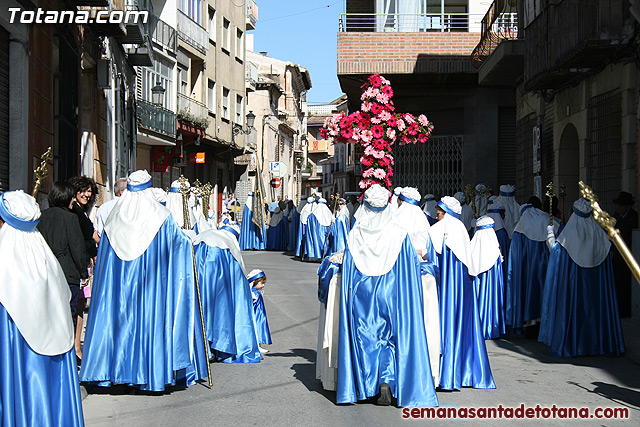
[(278, 169), (275, 182)]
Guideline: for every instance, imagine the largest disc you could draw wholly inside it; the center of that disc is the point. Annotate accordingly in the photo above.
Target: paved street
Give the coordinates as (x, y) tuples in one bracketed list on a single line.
[(282, 389)]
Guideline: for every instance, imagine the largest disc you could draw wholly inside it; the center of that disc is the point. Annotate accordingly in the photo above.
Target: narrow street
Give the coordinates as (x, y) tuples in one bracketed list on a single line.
[(282, 389)]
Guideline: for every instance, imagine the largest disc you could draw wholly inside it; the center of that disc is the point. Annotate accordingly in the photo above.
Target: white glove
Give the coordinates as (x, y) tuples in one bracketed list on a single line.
[(551, 236)]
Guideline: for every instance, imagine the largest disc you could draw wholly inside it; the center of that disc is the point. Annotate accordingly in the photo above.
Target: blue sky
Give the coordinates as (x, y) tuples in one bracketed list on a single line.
[(303, 32)]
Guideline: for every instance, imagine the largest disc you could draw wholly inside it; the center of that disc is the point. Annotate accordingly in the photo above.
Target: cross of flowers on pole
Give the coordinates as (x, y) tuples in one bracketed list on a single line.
[(377, 127)]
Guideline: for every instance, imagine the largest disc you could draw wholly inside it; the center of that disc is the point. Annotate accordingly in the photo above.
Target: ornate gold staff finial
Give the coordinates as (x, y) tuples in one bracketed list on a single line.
[(608, 223), (41, 171), (563, 193), (470, 193), (206, 196), (185, 189), (551, 193), (487, 194)]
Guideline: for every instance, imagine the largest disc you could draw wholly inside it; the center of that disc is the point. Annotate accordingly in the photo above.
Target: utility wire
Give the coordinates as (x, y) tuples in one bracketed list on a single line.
[(300, 13)]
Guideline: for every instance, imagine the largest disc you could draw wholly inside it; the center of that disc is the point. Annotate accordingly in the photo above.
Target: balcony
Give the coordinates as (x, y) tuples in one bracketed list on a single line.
[(139, 17), (252, 15), (192, 33), (100, 23), (156, 119), (251, 76), (164, 35), (192, 111), (571, 37), (409, 22), (500, 55)]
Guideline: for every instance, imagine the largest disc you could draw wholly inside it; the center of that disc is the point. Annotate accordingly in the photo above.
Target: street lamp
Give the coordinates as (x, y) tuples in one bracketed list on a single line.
[(237, 129), (157, 94)]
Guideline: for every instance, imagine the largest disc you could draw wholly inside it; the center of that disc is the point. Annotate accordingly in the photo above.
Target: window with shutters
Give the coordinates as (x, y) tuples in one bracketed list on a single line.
[(225, 103), (211, 96)]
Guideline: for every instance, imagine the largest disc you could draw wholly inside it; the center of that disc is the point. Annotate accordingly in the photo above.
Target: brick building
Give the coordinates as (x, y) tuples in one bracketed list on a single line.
[(423, 48)]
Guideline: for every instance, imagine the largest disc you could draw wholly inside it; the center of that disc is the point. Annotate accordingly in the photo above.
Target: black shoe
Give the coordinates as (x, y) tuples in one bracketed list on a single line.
[(385, 395)]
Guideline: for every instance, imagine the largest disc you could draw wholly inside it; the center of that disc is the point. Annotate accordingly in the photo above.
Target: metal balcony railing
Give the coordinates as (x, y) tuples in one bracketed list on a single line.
[(191, 107), (499, 23), (192, 33), (164, 35), (409, 23), (252, 14), (156, 118)]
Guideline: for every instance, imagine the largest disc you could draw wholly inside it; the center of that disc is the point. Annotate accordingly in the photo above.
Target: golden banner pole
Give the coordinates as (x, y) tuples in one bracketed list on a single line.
[(41, 171), (184, 190), (608, 223), (470, 194), (551, 193)]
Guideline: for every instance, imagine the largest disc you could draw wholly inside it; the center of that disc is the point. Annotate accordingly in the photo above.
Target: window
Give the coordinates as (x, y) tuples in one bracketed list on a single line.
[(182, 80), (191, 8), (239, 44), (239, 109), (211, 96), (225, 103), (226, 30), (161, 72), (212, 25)]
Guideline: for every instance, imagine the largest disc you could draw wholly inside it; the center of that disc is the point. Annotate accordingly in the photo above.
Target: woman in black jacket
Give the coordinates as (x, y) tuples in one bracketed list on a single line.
[(61, 230)]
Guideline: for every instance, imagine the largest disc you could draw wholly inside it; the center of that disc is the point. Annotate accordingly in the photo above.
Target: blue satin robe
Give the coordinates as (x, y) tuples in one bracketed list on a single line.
[(277, 238), (300, 240), (382, 337), (527, 270), (464, 361), (489, 286), (251, 236), (338, 235), (144, 324), (260, 313), (227, 306), (580, 311), (315, 238), (326, 271), (36, 390), (505, 244)]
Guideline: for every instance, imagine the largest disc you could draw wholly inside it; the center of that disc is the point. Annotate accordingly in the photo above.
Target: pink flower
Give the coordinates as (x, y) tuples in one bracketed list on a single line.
[(413, 129), (333, 129), (376, 120), (377, 131), (379, 144), (422, 138), (369, 151), (378, 154), (401, 125), (409, 118), (367, 173), (385, 115), (366, 136), (366, 106), (327, 121), (382, 98), (364, 183), (391, 133), (406, 139), (392, 121), (367, 160), (375, 80), (387, 91), (384, 161), (422, 119), (379, 173), (346, 133), (376, 108)]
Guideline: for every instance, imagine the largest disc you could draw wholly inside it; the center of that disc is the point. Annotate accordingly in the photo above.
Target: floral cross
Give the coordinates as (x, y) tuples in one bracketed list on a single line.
[(376, 127)]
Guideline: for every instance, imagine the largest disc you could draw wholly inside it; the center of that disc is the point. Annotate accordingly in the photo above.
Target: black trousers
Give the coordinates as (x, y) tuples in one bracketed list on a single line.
[(75, 293)]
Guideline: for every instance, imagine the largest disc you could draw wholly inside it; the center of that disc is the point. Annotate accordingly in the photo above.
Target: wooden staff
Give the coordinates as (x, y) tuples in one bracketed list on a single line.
[(184, 190), (41, 171), (608, 223), (550, 194)]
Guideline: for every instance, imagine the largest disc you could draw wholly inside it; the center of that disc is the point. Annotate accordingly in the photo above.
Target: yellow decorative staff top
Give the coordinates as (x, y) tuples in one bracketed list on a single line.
[(41, 171), (608, 223), (206, 198), (551, 193), (184, 190)]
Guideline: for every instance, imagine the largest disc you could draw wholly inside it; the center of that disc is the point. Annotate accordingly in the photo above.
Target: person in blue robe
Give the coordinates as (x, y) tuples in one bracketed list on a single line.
[(496, 212), (580, 311), (511, 208), (489, 281), (226, 296), (38, 372), (317, 232), (293, 218), (144, 327), (301, 238), (527, 266), (382, 348), (339, 228), (429, 208), (464, 361), (257, 279), (251, 235), (277, 236)]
